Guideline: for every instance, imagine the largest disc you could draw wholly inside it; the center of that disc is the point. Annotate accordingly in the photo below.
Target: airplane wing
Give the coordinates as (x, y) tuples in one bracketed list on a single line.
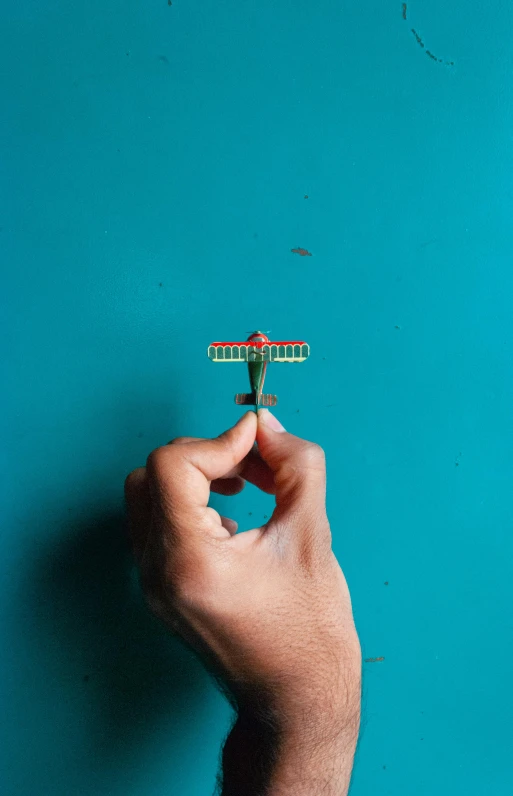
[(281, 351), (229, 352), (288, 351)]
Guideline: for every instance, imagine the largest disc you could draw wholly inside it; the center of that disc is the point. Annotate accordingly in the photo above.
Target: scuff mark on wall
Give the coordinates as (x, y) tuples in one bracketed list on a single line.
[(421, 44), (431, 55), (301, 252)]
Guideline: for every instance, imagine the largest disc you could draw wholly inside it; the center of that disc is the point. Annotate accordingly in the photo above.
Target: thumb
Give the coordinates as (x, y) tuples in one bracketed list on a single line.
[(298, 467)]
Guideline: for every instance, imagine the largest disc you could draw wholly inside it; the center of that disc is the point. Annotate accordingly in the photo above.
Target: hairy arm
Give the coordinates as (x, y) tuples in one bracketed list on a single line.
[(268, 610)]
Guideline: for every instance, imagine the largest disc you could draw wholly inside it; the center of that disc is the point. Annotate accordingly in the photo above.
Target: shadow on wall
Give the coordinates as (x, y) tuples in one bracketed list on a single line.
[(98, 636), (104, 695)]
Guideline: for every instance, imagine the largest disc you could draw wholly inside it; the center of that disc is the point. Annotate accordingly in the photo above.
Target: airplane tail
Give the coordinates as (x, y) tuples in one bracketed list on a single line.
[(249, 399)]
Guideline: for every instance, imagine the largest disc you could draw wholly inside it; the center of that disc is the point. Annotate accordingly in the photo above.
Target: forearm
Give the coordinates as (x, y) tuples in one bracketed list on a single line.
[(310, 769), (313, 754)]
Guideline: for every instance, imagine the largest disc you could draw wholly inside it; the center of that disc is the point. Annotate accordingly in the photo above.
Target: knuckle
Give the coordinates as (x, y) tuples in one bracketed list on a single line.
[(130, 482), (180, 440), (135, 483), (159, 460), (312, 456)]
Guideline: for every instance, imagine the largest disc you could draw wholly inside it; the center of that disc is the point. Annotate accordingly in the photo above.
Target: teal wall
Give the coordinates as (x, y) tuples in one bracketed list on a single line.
[(154, 165)]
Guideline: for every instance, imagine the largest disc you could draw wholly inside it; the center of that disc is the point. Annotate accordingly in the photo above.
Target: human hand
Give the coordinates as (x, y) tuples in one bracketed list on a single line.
[(268, 609)]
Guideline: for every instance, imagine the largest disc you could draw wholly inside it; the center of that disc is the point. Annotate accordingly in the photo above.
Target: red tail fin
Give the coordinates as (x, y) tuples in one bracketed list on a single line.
[(245, 399), (267, 399)]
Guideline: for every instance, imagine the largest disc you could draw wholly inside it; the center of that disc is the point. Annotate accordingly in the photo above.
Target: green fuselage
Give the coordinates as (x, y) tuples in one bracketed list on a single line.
[(256, 378)]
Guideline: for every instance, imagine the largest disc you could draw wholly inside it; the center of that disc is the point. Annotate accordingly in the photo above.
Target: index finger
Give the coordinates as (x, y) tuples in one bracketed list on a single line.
[(180, 477), (252, 468)]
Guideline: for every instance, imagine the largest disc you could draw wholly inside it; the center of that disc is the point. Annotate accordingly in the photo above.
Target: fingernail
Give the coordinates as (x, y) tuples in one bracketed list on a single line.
[(266, 417)]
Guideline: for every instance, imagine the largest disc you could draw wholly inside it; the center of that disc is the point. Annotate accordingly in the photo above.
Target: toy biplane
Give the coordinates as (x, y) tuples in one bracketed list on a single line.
[(257, 351)]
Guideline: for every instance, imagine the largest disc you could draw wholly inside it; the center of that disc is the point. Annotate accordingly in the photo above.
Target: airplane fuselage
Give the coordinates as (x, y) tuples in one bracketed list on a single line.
[(257, 367)]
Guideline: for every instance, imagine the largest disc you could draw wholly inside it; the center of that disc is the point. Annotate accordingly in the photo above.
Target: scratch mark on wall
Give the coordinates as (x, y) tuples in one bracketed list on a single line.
[(373, 660), (405, 8), (428, 52)]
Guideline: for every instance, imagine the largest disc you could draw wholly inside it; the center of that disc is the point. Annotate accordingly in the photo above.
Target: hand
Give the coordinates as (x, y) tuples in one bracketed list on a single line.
[(268, 609)]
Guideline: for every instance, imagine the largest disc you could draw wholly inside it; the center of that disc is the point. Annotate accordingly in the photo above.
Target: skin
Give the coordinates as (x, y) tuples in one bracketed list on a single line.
[(268, 610)]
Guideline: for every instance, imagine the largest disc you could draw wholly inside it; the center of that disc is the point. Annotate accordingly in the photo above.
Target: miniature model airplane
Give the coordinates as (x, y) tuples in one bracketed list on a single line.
[(257, 351)]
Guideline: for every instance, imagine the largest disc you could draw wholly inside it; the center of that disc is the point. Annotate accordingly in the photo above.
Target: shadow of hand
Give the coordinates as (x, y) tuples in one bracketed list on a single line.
[(132, 674)]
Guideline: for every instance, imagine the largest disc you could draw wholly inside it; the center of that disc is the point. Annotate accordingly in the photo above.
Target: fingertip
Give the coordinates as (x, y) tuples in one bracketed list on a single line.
[(249, 417), (230, 525), (243, 429), (266, 418), (228, 486)]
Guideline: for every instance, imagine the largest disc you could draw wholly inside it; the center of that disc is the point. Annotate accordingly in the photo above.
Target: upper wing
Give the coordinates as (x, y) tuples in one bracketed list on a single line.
[(286, 351), (229, 352)]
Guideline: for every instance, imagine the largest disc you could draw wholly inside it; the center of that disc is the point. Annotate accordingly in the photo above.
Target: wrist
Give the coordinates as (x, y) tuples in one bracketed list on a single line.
[(316, 759), (304, 748)]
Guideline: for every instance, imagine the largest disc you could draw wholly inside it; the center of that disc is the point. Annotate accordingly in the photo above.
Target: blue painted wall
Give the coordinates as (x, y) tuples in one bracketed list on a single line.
[(155, 163)]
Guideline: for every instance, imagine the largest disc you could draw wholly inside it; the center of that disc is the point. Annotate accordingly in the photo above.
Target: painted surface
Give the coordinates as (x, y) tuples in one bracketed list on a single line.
[(161, 163)]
